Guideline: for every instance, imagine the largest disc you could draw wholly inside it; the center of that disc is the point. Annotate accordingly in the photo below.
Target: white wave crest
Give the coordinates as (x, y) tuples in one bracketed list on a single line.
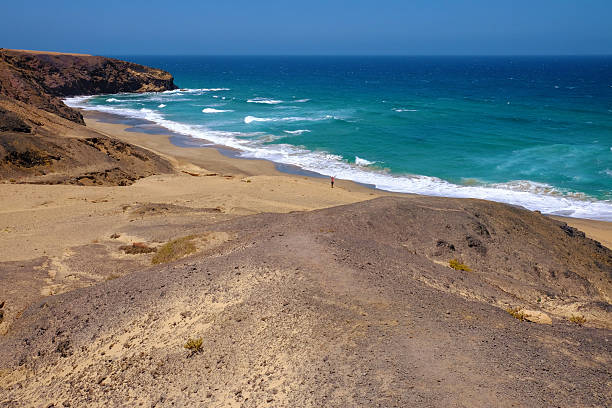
[(405, 110), (297, 132), (266, 101), (251, 119), (81, 101), (301, 100), (161, 105), (362, 162), (213, 110), (113, 100), (195, 90)]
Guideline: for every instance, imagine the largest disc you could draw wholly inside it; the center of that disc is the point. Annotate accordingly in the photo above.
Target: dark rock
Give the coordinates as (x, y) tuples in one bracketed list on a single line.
[(11, 122), (42, 79), (571, 231)]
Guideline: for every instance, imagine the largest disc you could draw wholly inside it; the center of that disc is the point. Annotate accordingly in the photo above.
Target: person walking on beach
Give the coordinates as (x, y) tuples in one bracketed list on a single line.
[(332, 181)]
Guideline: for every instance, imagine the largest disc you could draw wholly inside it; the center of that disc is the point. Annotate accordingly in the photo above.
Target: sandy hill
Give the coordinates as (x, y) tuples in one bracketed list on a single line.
[(348, 306)]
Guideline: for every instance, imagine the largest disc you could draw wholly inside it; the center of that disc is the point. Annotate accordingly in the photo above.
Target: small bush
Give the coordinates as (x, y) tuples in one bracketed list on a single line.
[(194, 345), (175, 249), (579, 320), (455, 264), (137, 248), (516, 312)]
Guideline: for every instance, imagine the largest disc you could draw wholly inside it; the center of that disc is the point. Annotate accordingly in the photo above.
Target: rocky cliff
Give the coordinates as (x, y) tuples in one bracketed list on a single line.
[(42, 79), (44, 141)]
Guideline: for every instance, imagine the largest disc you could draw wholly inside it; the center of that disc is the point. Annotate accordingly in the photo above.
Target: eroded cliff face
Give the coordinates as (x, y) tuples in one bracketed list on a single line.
[(44, 141), (42, 79)]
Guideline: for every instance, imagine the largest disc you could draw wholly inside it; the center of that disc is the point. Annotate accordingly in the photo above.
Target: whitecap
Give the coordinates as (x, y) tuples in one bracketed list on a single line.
[(297, 132), (251, 119), (301, 100), (362, 162), (161, 105), (405, 110), (213, 110), (195, 90), (266, 101), (112, 100)]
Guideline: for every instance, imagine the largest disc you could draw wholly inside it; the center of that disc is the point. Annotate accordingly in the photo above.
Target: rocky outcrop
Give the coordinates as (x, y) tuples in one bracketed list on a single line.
[(44, 141), (42, 79)]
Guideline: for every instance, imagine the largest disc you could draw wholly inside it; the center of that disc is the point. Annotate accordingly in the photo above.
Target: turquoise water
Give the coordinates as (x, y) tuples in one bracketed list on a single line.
[(530, 131)]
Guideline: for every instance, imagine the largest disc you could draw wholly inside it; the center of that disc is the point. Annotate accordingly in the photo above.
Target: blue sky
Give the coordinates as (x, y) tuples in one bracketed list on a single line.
[(419, 27)]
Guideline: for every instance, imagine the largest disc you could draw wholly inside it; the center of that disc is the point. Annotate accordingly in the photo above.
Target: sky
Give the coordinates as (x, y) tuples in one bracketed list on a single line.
[(310, 27)]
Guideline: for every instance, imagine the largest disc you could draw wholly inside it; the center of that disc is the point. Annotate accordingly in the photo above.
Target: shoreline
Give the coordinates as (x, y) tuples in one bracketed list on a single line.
[(185, 151)]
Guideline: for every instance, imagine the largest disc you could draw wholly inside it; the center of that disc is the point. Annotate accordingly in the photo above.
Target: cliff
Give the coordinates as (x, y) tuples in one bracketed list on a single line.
[(44, 141), (42, 79)]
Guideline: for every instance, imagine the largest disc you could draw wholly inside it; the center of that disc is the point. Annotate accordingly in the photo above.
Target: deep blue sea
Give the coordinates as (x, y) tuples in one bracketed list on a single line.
[(531, 131)]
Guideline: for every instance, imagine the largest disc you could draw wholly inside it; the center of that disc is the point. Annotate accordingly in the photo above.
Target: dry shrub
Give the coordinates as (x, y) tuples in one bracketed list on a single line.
[(579, 320), (137, 248), (455, 264), (516, 312), (194, 345), (175, 249)]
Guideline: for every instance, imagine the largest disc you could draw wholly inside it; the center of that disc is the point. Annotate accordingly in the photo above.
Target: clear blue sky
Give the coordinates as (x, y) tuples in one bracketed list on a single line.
[(418, 27)]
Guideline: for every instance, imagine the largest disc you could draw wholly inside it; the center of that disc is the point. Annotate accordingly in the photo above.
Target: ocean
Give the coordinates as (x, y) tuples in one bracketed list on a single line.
[(529, 131)]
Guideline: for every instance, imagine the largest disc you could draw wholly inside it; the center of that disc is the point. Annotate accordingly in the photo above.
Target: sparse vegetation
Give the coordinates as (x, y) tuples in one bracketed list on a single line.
[(194, 345), (137, 248), (115, 236), (516, 312), (579, 320), (455, 264), (175, 249)]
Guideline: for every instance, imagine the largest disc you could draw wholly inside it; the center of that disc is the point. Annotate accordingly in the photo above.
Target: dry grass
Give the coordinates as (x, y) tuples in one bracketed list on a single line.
[(455, 264), (175, 249), (194, 345), (137, 248), (516, 312), (579, 320)]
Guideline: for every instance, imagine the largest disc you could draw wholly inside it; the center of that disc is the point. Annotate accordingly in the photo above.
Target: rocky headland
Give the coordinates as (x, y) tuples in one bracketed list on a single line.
[(43, 140)]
